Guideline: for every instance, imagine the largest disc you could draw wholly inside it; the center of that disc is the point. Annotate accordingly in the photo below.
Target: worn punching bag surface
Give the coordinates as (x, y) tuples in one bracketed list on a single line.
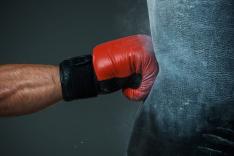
[(194, 90)]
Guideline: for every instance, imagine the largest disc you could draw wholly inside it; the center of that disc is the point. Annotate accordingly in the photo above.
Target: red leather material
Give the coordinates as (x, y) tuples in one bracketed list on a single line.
[(125, 56)]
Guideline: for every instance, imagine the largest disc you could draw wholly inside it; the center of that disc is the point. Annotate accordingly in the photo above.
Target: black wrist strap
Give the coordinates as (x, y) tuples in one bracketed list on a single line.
[(78, 79)]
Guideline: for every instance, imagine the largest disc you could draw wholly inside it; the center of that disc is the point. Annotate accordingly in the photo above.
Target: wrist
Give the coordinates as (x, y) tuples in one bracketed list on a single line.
[(77, 78), (56, 82)]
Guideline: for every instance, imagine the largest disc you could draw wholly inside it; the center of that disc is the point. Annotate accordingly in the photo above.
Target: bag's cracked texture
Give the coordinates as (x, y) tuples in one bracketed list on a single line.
[(194, 90)]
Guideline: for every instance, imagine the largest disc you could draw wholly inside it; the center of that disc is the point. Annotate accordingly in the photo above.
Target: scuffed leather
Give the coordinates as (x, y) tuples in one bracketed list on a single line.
[(194, 91)]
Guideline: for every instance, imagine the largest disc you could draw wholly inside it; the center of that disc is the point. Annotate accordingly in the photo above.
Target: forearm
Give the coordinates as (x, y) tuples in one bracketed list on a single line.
[(28, 88)]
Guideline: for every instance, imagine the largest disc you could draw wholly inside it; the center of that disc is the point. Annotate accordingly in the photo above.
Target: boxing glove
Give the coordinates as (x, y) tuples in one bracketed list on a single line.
[(127, 63)]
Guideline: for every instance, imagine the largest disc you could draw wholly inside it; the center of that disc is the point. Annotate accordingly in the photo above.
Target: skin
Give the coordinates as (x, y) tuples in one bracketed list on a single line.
[(27, 88)]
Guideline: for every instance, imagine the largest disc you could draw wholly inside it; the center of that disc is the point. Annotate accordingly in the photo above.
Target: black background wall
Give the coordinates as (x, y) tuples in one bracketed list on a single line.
[(46, 32)]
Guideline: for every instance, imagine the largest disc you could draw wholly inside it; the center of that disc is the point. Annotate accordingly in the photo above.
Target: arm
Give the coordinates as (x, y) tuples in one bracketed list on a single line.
[(127, 63), (28, 88)]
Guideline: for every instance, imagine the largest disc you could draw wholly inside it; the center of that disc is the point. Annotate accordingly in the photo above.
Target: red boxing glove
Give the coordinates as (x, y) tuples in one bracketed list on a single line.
[(118, 64)]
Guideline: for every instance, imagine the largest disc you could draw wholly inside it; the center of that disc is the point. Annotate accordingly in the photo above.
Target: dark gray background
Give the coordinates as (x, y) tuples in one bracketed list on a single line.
[(46, 32)]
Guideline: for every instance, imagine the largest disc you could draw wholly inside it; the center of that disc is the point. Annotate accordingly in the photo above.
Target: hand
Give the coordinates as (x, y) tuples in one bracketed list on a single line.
[(127, 63)]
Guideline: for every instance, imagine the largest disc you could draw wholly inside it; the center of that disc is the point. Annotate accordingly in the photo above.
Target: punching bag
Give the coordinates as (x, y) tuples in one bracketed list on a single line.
[(194, 91)]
